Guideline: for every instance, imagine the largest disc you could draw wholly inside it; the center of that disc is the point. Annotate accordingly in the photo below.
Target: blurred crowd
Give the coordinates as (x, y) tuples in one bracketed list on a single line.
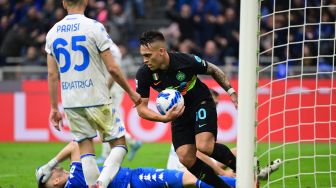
[(208, 28), (25, 23)]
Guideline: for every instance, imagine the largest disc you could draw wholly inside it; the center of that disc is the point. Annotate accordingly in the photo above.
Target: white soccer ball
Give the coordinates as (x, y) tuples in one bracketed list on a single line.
[(167, 99)]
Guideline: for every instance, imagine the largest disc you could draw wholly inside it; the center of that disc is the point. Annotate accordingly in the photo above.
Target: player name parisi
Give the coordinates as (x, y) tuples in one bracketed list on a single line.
[(77, 84)]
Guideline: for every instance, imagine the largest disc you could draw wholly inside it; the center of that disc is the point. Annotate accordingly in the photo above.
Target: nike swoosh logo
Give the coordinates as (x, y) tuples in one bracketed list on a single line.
[(156, 83), (201, 125)]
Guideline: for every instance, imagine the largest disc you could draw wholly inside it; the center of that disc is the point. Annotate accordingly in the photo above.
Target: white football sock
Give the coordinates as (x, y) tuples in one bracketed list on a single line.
[(90, 168), (112, 164)]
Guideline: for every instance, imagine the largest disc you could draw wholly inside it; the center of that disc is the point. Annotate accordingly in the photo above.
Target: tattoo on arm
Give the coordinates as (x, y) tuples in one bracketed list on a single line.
[(219, 76)]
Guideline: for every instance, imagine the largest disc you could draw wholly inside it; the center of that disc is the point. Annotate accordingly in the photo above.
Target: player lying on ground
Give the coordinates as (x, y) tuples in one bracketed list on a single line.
[(140, 177)]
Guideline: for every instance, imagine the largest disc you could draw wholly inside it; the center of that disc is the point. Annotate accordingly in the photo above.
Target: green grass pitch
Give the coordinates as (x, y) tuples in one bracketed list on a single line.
[(19, 161)]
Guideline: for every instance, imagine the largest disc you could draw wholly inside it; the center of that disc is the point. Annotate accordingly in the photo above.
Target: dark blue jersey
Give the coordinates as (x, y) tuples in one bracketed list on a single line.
[(140, 177), (135, 178)]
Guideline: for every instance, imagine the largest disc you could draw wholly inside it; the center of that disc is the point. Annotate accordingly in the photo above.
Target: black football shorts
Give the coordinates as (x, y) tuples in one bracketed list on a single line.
[(200, 118)]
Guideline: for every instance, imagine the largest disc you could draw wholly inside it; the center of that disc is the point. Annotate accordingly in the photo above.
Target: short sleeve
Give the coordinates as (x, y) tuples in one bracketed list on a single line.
[(142, 83), (199, 65), (101, 37), (47, 47)]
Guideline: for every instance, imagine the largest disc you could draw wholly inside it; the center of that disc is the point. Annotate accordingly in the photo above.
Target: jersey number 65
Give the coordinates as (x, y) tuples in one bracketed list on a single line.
[(58, 45)]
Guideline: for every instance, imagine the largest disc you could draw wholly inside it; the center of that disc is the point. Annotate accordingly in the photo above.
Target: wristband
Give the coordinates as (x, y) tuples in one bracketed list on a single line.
[(230, 91)]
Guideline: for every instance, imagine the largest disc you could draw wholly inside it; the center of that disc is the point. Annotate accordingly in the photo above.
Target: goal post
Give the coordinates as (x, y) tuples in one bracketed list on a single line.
[(247, 92), (287, 85)]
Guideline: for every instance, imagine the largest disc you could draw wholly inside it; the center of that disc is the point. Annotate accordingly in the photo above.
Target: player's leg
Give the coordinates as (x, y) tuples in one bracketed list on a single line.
[(173, 162), (189, 179), (111, 130), (206, 133), (113, 161), (117, 94), (83, 132), (88, 159), (184, 143), (134, 145), (106, 148)]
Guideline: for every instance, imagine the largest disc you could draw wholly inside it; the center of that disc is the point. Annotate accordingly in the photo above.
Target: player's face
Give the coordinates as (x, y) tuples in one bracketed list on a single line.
[(152, 56), (58, 177)]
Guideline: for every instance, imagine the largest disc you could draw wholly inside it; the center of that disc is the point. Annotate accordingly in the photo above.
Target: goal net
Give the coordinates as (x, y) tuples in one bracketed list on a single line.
[(296, 109)]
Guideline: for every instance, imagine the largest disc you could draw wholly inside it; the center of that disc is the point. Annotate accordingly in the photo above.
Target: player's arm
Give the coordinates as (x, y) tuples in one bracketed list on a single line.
[(151, 115), (55, 116), (219, 76), (189, 180), (115, 71), (71, 151), (214, 165)]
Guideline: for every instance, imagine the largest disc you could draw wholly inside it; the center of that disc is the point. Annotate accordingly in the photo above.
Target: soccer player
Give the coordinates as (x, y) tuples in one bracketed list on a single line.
[(117, 95), (126, 177), (194, 126), (173, 162), (78, 52)]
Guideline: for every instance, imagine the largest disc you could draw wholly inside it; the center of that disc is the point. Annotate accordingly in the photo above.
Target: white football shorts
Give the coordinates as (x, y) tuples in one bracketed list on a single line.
[(85, 122)]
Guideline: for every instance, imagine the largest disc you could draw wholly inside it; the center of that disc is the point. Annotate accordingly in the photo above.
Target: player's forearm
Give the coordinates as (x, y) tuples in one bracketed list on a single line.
[(150, 115), (119, 77), (66, 152), (116, 72), (53, 82), (210, 162), (219, 76), (53, 90)]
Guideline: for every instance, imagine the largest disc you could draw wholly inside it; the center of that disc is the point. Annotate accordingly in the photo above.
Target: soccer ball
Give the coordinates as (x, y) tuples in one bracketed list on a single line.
[(167, 99)]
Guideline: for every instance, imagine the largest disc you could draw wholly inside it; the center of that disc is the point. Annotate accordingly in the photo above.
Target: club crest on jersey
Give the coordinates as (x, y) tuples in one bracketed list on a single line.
[(180, 76), (156, 76), (198, 59)]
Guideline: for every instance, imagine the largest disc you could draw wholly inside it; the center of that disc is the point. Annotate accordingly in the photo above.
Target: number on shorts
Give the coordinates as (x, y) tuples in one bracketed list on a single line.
[(201, 114)]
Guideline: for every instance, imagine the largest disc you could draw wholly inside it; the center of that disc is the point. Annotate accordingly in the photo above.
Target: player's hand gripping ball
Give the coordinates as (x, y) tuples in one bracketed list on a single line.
[(167, 99)]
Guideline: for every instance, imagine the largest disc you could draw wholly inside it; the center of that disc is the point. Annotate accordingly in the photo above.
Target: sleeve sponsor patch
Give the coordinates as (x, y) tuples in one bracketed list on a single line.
[(198, 59)]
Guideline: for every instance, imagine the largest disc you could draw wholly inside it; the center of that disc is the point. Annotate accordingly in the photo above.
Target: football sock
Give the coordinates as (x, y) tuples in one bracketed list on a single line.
[(205, 173), (112, 164), (224, 155), (90, 168)]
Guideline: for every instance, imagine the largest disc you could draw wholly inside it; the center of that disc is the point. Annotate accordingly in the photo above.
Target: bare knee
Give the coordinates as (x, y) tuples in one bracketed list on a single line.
[(187, 160), (205, 147), (187, 156), (205, 142)]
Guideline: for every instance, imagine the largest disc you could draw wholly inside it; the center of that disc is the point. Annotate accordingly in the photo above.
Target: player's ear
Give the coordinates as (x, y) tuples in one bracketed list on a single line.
[(64, 4), (162, 51), (56, 181)]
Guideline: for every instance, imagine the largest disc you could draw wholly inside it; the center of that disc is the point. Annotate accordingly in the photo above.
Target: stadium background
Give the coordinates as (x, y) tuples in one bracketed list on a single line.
[(208, 28)]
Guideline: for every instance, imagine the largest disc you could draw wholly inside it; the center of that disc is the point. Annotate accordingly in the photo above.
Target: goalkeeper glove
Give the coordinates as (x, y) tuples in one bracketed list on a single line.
[(43, 173)]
